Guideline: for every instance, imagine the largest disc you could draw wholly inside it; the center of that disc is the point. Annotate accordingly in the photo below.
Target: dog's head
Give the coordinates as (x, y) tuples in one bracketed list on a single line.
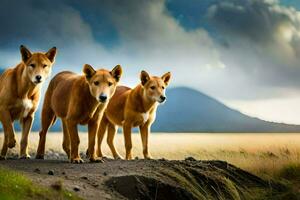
[(102, 83), (38, 65), (154, 86)]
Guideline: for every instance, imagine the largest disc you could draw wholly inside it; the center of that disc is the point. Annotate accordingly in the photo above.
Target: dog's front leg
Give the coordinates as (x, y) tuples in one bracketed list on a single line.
[(74, 137), (9, 135), (26, 127), (92, 131), (128, 143), (145, 130)]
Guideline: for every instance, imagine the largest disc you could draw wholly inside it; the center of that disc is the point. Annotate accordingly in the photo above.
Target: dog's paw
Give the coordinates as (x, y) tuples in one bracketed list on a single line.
[(118, 158), (128, 158), (11, 143), (2, 158), (148, 157), (76, 160), (25, 157), (96, 160), (39, 157)]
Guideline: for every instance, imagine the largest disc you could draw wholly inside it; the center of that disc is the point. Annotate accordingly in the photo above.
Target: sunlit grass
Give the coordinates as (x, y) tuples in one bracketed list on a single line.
[(262, 154), (14, 186)]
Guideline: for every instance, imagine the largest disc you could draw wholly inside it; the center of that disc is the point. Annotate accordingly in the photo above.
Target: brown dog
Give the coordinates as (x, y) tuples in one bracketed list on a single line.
[(77, 100), (131, 108), (19, 95)]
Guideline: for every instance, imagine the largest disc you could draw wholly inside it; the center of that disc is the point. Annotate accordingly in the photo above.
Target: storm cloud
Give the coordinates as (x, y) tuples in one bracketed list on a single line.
[(239, 50)]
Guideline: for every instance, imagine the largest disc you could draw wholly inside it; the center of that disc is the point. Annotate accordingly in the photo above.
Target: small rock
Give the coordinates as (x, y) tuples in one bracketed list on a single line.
[(190, 159), (95, 184), (105, 173), (57, 185), (76, 188), (37, 170), (51, 172)]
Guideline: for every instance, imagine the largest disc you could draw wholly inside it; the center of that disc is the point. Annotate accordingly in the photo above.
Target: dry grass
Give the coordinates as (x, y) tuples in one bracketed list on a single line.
[(262, 154)]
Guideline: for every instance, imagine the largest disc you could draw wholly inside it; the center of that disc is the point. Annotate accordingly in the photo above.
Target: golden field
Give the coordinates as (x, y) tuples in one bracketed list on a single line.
[(260, 153)]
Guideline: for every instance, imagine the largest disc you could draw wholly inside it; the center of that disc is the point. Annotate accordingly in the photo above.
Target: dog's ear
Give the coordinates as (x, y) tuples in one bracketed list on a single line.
[(88, 71), (166, 77), (51, 54), (26, 54), (116, 72), (144, 77)]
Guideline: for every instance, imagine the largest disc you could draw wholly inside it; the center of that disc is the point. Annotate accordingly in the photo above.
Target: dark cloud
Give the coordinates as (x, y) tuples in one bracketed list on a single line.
[(40, 22), (263, 39), (265, 22), (261, 54)]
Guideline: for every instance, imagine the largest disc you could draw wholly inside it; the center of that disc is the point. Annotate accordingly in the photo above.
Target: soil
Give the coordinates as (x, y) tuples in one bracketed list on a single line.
[(147, 179)]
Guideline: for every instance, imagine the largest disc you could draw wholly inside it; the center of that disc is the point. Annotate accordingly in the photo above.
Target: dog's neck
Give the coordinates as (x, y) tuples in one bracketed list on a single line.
[(25, 87), (146, 103)]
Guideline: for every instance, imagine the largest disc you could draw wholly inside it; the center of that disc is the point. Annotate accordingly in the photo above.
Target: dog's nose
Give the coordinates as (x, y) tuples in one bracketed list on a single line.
[(38, 78), (162, 98), (103, 98)]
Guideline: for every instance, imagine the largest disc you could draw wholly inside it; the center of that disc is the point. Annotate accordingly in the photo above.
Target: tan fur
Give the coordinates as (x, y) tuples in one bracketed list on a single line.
[(76, 100), (19, 95), (131, 108)]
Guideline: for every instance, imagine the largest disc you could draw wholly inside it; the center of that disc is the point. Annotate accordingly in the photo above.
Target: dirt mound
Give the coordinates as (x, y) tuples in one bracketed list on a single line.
[(149, 179), (193, 179), (141, 187)]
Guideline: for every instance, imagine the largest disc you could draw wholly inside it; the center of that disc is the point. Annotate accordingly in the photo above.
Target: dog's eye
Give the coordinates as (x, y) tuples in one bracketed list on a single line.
[(152, 87), (45, 66), (110, 83), (163, 87), (32, 65), (96, 82)]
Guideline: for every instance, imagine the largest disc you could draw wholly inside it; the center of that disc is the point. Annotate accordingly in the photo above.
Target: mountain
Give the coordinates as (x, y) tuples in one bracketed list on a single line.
[(188, 110)]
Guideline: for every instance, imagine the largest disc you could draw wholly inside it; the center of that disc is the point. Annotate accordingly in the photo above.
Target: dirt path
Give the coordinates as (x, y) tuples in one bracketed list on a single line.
[(146, 179)]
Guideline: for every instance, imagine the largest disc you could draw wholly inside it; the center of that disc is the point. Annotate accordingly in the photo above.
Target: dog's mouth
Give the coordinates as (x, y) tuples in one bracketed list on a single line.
[(102, 101), (161, 101), (37, 82)]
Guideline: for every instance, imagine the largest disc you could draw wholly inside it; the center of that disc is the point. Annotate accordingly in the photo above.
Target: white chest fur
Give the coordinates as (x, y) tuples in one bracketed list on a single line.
[(145, 117), (27, 105)]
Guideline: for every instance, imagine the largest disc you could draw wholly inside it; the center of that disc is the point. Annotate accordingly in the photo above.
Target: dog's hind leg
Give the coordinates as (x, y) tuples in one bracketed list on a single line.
[(100, 134), (75, 140), (111, 132), (66, 139), (48, 118), (127, 139)]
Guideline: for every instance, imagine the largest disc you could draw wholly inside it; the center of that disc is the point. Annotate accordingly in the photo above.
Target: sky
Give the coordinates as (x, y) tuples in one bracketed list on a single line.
[(245, 53)]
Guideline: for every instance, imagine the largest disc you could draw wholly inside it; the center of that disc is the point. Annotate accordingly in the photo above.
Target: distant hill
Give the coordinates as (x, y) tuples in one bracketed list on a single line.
[(188, 110)]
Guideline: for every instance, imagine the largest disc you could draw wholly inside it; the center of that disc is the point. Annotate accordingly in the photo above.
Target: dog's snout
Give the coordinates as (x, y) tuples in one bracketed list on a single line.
[(162, 98), (38, 78), (103, 97)]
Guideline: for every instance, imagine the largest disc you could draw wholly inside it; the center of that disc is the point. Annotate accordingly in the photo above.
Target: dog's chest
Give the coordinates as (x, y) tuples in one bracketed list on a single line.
[(142, 118), (21, 108), (27, 106)]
